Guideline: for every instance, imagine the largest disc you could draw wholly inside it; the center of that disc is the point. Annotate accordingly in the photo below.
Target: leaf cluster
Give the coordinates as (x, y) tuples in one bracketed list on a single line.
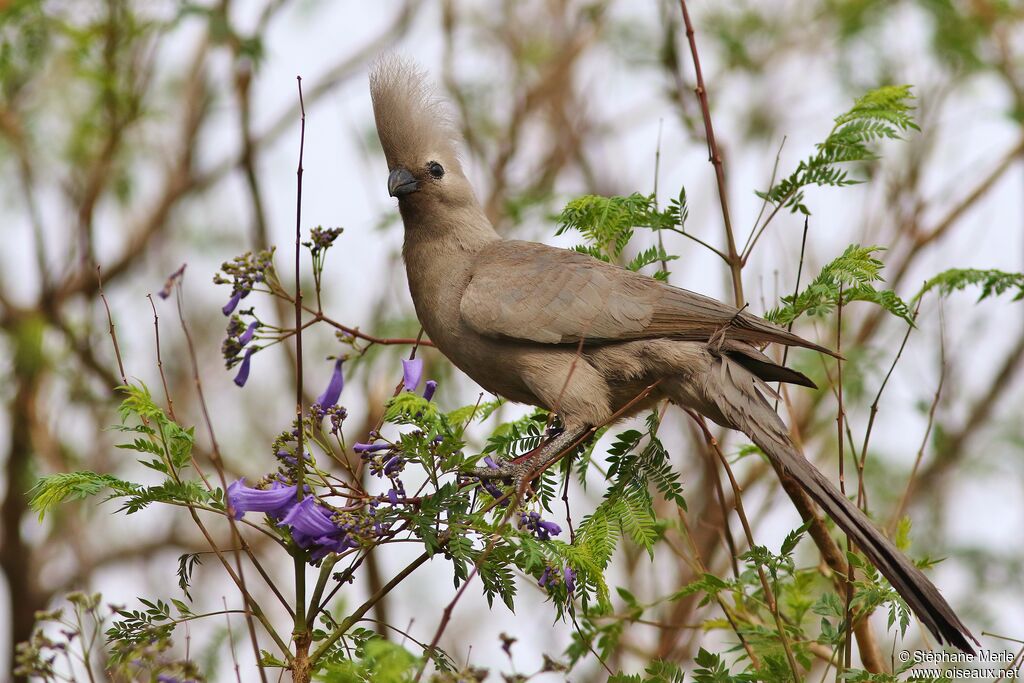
[(608, 225), (879, 114), (849, 277)]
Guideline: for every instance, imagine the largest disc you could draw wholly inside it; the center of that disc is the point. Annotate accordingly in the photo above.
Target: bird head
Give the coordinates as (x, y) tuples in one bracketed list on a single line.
[(420, 140)]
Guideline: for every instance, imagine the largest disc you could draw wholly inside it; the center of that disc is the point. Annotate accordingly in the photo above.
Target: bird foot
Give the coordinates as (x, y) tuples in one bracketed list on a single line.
[(519, 472)]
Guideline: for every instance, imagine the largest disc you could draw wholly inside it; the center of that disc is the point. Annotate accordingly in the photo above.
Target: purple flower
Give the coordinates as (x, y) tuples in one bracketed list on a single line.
[(545, 530), (328, 545), (393, 496), (542, 529), (309, 522), (429, 389), (551, 578), (337, 414), (334, 387), (370, 447), (569, 576), (249, 333), (275, 501), (393, 466), (243, 372), (489, 461), (171, 279), (545, 577), (232, 303), (495, 492), (412, 373)]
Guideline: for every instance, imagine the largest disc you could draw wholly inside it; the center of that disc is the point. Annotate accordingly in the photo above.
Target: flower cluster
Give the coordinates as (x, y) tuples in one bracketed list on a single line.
[(541, 529), (314, 526), (321, 530), (385, 461), (243, 273), (552, 577), (238, 337), (321, 239)]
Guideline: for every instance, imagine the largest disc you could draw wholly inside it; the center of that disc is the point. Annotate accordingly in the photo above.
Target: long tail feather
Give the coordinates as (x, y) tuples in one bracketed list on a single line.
[(736, 394)]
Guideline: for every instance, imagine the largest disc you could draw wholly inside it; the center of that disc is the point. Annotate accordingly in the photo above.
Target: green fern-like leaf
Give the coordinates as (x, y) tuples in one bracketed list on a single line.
[(880, 114), (991, 282), (55, 489), (608, 223), (854, 273)]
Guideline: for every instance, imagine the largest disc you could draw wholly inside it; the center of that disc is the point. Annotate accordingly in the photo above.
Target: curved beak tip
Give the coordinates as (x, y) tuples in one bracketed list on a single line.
[(401, 182)]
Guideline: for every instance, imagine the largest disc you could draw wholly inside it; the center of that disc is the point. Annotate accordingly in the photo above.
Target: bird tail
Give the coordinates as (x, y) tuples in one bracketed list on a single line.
[(738, 397)]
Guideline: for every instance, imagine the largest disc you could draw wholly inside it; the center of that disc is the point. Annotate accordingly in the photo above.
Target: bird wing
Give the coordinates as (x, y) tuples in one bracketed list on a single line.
[(534, 292)]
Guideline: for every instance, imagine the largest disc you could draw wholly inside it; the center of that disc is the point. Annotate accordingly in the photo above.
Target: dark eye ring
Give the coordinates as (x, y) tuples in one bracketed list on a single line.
[(435, 169)]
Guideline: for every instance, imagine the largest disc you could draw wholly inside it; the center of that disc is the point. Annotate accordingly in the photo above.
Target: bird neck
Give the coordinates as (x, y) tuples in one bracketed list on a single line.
[(432, 228), (440, 251)]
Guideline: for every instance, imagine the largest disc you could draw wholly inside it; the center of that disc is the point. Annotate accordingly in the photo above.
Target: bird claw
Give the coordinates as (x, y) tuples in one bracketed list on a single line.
[(516, 474)]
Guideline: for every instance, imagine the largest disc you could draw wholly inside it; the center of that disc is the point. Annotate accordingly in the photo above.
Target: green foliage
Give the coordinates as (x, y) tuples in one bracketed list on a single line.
[(55, 489), (992, 283), (376, 661), (879, 114), (167, 449), (854, 273), (608, 225), (658, 671)]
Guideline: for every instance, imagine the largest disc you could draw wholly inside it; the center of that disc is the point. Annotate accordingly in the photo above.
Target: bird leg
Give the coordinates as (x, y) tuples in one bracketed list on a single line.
[(522, 470)]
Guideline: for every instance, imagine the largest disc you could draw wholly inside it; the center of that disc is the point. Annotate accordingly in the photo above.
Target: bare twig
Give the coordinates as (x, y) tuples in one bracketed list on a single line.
[(715, 157), (905, 497), (862, 499), (301, 669), (110, 322)]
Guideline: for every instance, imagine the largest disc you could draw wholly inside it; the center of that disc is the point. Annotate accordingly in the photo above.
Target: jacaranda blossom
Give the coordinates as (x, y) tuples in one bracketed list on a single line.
[(275, 501), (551, 577), (412, 373), (334, 387), (232, 303), (326, 545), (542, 529), (569, 576), (249, 333), (370, 447), (429, 389), (309, 521), (243, 372)]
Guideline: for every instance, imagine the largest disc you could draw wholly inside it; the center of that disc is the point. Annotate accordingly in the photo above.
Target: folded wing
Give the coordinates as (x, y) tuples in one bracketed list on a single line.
[(533, 292)]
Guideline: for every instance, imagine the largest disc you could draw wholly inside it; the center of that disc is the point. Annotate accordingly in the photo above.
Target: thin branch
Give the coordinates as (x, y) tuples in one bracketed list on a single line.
[(218, 463), (905, 497), (755, 233), (300, 665), (862, 500), (110, 322), (715, 157)]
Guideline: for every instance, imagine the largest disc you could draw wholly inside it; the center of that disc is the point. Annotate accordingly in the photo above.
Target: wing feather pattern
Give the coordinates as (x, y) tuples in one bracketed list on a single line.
[(533, 292)]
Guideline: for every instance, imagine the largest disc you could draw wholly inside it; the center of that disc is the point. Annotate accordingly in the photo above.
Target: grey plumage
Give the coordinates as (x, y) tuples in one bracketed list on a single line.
[(583, 338)]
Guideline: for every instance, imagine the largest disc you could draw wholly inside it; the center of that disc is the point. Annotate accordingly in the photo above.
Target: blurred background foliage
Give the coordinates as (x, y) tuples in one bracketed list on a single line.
[(135, 136)]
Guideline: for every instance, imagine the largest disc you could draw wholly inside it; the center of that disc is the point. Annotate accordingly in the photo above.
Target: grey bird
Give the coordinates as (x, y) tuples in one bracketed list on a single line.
[(586, 339)]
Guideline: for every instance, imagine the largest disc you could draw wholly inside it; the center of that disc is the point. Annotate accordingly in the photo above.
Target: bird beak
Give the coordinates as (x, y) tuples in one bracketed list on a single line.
[(401, 182)]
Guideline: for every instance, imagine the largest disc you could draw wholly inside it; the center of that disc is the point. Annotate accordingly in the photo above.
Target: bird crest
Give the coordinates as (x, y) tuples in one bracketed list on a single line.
[(413, 122)]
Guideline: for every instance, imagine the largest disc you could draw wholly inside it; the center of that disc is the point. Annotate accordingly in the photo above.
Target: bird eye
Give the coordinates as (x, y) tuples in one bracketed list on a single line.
[(435, 169)]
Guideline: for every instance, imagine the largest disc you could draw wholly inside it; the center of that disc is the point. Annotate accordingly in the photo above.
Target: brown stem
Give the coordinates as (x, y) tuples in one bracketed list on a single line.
[(301, 671), (110, 323), (715, 157)]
